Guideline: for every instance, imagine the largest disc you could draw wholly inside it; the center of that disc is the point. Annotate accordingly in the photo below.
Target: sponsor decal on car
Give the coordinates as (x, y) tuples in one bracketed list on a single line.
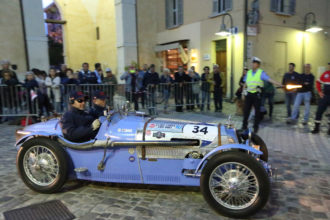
[(166, 127), (131, 159), (152, 125), (131, 150), (158, 134), (125, 130)]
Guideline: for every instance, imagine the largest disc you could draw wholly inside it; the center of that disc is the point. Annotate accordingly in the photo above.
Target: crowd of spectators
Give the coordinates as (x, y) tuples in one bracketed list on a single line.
[(45, 87), (191, 90)]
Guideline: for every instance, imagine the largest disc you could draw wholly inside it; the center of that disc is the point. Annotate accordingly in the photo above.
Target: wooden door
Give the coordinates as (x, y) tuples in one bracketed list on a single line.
[(222, 62)]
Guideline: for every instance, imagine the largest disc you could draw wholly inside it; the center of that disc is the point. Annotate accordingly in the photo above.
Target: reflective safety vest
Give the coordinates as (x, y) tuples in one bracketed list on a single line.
[(253, 81)]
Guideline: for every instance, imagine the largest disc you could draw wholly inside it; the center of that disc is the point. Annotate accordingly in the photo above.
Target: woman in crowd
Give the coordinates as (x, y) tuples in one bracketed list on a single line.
[(43, 99), (53, 89), (31, 94), (166, 80)]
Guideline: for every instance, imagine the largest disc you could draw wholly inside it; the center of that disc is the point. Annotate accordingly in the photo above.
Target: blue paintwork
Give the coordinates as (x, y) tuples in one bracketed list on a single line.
[(122, 164), (226, 147)]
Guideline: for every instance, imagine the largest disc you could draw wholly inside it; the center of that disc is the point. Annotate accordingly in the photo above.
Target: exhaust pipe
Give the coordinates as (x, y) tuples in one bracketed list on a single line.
[(110, 144)]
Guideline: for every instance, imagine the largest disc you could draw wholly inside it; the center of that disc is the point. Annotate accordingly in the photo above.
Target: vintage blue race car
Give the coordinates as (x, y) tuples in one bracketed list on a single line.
[(230, 167)]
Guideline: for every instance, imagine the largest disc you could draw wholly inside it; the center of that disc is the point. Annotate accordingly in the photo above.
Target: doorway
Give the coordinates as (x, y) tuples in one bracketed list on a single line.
[(221, 60)]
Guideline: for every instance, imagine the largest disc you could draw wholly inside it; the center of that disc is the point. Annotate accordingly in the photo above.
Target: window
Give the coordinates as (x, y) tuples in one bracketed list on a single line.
[(174, 13), (286, 7), (221, 6)]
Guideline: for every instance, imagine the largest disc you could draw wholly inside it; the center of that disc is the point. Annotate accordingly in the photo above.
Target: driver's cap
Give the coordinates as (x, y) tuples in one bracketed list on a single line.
[(74, 95), (99, 95)]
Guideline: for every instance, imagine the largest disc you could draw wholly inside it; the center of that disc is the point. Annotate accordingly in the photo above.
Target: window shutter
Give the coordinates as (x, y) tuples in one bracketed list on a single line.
[(215, 7), (168, 13), (228, 5), (292, 7), (180, 12), (273, 5)]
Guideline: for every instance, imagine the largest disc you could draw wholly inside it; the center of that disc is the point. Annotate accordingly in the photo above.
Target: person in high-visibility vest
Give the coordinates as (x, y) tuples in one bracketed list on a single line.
[(254, 81)]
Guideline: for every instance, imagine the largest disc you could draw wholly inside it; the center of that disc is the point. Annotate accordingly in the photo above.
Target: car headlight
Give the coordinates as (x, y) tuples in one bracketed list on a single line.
[(21, 133)]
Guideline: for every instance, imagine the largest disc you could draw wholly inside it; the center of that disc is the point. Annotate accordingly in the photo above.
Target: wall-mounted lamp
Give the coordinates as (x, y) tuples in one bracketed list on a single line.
[(224, 32), (313, 28)]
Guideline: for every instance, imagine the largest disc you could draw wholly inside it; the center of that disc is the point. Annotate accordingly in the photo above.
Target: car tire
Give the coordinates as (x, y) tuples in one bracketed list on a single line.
[(257, 140), (42, 159), (257, 175)]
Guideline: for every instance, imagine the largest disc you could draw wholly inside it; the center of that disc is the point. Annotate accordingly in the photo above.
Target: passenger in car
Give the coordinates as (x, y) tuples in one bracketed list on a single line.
[(77, 124), (99, 103)]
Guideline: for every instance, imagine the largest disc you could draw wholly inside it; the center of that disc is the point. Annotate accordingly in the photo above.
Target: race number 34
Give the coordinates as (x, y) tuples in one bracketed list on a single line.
[(198, 129)]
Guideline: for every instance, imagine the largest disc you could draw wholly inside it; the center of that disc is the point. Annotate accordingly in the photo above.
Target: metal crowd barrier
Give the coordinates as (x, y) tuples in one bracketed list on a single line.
[(154, 98), (18, 101), (179, 96)]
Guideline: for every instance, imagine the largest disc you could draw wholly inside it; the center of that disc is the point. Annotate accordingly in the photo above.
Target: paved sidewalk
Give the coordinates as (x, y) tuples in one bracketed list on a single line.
[(302, 189)]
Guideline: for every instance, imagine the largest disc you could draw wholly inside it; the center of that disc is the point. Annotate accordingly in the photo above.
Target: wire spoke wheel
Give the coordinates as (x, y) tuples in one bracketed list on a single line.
[(234, 185), (41, 165)]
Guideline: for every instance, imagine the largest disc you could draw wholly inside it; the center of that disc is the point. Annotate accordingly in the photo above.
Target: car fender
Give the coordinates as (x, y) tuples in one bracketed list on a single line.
[(218, 150), (34, 134)]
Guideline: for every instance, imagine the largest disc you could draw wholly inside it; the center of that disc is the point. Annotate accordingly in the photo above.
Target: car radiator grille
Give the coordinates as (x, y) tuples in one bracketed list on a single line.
[(167, 152)]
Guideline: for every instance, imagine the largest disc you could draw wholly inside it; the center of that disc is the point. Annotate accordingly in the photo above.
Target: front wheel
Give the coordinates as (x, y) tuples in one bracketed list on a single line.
[(42, 165), (235, 184)]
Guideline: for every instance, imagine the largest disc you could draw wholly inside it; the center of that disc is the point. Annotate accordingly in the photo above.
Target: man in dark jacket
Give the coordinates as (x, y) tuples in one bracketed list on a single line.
[(99, 102), (304, 94), (217, 95), (180, 78), (86, 76), (78, 125), (206, 85), (150, 80), (290, 77)]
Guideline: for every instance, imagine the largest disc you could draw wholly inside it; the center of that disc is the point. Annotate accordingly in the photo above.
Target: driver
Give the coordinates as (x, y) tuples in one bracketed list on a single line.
[(99, 103), (78, 125)]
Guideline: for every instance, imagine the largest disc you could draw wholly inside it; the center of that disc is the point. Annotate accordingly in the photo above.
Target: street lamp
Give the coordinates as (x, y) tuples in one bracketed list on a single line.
[(313, 28), (224, 32)]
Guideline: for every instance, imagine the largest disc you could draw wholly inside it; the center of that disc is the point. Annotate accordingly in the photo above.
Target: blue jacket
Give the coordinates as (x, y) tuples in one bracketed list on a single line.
[(87, 77), (128, 81), (77, 125)]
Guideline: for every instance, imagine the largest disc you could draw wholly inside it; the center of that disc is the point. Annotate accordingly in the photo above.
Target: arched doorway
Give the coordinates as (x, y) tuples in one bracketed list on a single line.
[(54, 32)]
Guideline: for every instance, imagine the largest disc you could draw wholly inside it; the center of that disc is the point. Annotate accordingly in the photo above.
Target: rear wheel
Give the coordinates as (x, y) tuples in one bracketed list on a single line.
[(235, 184), (42, 165)]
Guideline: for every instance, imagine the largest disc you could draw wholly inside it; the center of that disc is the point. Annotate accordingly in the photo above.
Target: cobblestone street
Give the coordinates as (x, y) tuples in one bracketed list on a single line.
[(302, 189)]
